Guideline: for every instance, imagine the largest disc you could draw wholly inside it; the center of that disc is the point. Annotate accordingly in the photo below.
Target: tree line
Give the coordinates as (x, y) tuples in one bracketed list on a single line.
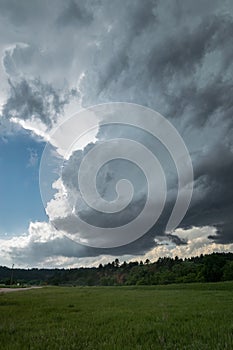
[(204, 268)]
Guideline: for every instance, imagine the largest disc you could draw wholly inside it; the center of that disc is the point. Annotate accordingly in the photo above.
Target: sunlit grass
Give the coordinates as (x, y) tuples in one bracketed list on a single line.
[(197, 316)]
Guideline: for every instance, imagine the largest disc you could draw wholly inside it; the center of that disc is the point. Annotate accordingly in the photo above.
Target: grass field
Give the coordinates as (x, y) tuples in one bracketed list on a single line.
[(191, 316)]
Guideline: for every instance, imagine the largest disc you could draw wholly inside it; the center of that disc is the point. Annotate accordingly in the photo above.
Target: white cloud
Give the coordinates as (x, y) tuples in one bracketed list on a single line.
[(42, 246), (197, 243)]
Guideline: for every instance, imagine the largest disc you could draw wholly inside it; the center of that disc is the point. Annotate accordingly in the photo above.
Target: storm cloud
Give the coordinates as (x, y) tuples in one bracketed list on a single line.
[(174, 57)]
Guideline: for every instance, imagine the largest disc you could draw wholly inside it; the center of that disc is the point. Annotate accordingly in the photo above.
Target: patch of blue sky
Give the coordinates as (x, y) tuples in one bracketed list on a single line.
[(20, 200)]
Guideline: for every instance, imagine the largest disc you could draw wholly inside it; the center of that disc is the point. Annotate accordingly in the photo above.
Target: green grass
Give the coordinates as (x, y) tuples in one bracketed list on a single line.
[(191, 316)]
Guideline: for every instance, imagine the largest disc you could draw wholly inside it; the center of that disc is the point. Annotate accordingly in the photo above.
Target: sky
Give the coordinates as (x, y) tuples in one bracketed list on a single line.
[(58, 60)]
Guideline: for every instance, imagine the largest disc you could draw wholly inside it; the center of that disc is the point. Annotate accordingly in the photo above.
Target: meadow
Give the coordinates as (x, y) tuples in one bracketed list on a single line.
[(184, 316)]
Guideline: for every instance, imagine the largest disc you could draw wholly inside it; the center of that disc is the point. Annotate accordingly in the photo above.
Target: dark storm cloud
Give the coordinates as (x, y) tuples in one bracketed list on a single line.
[(175, 57), (212, 199), (187, 75), (38, 251), (182, 56), (20, 13), (74, 14), (138, 247), (107, 178), (32, 98), (18, 59), (167, 76)]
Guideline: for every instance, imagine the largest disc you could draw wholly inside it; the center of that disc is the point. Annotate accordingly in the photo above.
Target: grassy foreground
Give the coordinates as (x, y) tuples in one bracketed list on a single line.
[(191, 316)]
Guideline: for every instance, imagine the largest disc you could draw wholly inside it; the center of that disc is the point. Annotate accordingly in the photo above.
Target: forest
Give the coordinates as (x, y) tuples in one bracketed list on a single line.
[(205, 268)]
